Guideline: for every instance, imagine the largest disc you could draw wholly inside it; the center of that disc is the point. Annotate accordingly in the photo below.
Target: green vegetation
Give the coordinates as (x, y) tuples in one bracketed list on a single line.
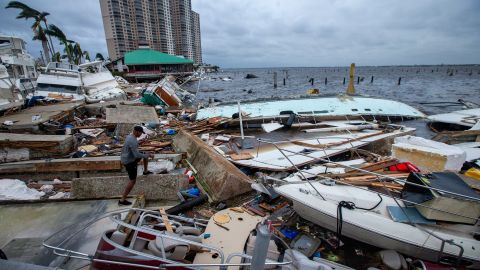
[(44, 33)]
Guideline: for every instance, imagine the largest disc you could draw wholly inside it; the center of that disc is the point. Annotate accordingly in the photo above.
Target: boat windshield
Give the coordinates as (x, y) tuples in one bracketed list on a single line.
[(58, 88)]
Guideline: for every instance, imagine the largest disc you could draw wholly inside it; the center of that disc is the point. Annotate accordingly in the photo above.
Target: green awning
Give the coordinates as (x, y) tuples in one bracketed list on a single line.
[(149, 57)]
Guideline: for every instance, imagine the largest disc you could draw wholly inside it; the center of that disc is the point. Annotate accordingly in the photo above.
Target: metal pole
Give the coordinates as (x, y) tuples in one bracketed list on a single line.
[(261, 247), (241, 123)]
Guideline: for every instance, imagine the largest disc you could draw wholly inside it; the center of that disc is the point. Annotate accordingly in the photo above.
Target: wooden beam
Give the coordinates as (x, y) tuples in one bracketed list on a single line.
[(168, 226)]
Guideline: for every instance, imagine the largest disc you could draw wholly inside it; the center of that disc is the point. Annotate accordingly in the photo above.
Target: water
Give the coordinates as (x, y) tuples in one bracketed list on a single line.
[(418, 84)]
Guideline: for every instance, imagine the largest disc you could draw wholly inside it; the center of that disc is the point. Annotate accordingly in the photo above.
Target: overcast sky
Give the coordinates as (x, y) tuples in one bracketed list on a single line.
[(268, 33)]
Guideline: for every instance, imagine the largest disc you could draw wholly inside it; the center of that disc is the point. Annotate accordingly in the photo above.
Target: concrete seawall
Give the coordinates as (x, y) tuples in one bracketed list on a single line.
[(155, 186)]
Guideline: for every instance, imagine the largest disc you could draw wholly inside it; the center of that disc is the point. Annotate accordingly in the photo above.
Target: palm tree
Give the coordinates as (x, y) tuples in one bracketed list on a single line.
[(77, 53), (99, 56), (86, 55), (26, 13), (56, 32)]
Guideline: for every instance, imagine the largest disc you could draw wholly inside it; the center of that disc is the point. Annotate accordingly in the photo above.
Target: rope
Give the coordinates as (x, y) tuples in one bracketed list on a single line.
[(351, 206)]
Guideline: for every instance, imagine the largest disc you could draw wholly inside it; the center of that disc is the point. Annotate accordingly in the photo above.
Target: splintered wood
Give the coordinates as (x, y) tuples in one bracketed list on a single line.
[(362, 177)]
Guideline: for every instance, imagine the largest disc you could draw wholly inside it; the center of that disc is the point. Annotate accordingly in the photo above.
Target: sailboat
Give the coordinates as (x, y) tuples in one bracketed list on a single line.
[(348, 105)]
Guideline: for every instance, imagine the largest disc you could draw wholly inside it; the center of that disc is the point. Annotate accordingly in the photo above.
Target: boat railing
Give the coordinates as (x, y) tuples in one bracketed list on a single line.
[(58, 66), (381, 178), (61, 250)]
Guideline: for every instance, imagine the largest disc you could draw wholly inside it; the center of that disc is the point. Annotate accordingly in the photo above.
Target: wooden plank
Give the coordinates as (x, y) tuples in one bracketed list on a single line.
[(165, 219), (241, 156), (379, 165), (387, 185), (104, 163)]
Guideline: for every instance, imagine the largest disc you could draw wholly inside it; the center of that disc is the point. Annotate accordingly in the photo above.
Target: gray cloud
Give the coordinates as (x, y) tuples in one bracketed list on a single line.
[(252, 33)]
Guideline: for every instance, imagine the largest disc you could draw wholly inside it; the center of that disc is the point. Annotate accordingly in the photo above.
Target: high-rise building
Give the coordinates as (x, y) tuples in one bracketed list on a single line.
[(197, 38), (163, 25), (182, 27)]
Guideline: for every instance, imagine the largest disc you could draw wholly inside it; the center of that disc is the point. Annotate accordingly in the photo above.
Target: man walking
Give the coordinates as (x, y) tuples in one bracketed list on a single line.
[(130, 157)]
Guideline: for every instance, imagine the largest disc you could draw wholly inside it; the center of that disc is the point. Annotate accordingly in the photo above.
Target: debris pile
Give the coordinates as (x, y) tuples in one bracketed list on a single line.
[(330, 192)]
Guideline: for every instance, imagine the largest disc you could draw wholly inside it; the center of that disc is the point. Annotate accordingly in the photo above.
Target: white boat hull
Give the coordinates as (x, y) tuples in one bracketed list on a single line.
[(321, 106), (466, 118), (375, 227)]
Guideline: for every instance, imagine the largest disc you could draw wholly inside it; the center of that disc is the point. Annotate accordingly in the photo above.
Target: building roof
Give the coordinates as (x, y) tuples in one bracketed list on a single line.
[(149, 56)]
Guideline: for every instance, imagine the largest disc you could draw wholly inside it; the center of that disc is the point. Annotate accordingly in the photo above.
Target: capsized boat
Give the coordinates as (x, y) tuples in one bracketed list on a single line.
[(457, 120), (10, 96), (154, 240), (343, 105), (370, 221), (90, 82), (166, 92)]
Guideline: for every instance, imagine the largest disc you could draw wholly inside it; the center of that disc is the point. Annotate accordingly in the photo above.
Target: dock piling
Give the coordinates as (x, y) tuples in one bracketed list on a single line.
[(343, 80), (371, 80), (399, 80), (274, 79), (326, 80)]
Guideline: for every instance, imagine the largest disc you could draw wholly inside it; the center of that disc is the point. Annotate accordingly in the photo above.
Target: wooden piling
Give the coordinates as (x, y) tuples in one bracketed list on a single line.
[(326, 80), (371, 80), (274, 79), (351, 88), (358, 80), (399, 80), (343, 80)]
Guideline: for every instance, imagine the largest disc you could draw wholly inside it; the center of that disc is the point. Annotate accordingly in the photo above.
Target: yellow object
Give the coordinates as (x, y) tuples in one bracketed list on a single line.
[(88, 148), (351, 88), (313, 91), (473, 173), (221, 218)]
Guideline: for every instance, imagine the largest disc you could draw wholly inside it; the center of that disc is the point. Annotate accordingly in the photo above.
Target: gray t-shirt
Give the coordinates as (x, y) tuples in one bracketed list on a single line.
[(130, 151)]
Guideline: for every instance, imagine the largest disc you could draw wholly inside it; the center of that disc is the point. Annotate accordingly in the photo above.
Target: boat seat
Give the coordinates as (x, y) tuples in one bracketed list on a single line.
[(118, 237), (174, 249), (193, 238), (140, 244), (187, 230)]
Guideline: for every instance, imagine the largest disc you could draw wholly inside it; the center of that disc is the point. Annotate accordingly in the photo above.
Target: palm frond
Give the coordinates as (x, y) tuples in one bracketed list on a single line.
[(27, 12), (56, 32)]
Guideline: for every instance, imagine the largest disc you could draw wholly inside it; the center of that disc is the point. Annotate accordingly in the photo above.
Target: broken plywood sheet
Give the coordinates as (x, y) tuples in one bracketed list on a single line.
[(30, 118), (239, 227), (131, 115)]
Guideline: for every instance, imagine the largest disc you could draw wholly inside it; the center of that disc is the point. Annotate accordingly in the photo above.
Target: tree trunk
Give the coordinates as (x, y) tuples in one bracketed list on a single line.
[(50, 39), (46, 51)]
